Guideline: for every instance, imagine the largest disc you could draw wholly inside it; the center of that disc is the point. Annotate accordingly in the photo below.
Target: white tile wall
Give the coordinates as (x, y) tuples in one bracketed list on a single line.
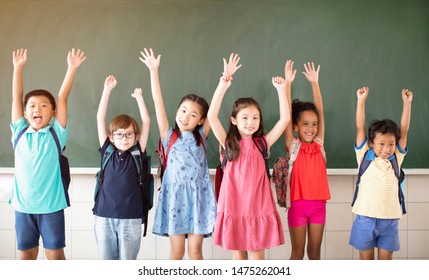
[(81, 244)]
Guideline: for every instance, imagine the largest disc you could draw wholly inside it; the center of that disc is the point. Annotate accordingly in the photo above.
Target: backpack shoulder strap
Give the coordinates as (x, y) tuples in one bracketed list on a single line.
[(399, 173), (57, 141), (291, 157), (261, 144), (135, 152), (106, 156), (294, 149), (173, 138), (19, 136), (362, 168), (322, 149)]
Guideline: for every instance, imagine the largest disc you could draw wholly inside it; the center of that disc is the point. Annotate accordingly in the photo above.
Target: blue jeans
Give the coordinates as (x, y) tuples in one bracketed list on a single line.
[(118, 239)]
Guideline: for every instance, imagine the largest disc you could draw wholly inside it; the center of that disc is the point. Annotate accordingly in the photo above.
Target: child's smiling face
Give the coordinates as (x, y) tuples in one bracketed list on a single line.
[(38, 111), (384, 145)]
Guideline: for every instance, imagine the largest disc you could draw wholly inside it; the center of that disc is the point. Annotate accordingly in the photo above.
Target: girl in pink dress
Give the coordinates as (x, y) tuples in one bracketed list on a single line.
[(247, 220)]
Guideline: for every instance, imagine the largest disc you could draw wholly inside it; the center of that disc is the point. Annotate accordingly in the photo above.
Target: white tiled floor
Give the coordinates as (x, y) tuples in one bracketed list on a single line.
[(414, 227)]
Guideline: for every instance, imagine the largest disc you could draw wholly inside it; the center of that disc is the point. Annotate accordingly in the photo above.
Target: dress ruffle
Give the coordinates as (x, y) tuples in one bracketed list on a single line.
[(254, 233)]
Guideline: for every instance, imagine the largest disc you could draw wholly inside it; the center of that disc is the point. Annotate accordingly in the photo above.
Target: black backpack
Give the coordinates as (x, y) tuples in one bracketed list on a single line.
[(146, 180), (64, 161)]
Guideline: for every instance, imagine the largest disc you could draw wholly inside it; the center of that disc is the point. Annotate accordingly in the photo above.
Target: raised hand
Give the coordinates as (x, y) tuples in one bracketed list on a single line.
[(110, 82), (230, 66), (362, 93), (19, 57), (138, 94), (148, 58), (407, 96), (289, 71), (279, 83), (75, 58), (311, 73)]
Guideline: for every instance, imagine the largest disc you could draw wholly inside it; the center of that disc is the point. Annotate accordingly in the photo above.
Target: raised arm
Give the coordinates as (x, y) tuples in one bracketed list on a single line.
[(152, 62), (407, 98), (312, 76), (230, 68), (19, 58), (74, 59), (289, 77), (279, 128), (109, 83), (362, 95), (144, 114)]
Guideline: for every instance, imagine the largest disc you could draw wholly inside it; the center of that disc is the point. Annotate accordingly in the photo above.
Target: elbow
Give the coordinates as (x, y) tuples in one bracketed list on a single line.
[(146, 122)]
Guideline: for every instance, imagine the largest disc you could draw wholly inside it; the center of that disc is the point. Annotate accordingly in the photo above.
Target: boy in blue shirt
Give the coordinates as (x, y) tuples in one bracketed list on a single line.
[(38, 195)]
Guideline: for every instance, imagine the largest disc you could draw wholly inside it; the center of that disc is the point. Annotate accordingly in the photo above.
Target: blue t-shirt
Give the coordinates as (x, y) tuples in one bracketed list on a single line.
[(120, 195), (37, 185)]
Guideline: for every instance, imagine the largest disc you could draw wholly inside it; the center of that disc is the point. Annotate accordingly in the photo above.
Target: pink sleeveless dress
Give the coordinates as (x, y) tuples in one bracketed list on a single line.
[(247, 218)]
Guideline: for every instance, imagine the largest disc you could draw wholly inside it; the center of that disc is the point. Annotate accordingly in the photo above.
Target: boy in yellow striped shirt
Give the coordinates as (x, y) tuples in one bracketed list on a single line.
[(377, 206)]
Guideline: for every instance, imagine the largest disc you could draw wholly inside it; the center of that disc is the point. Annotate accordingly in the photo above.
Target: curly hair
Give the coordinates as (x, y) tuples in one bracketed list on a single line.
[(298, 107)]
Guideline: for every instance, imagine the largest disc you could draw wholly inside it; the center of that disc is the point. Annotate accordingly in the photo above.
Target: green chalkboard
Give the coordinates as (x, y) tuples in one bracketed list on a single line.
[(383, 44)]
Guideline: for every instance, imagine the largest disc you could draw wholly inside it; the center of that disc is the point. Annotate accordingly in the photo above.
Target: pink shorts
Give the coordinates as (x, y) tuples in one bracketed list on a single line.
[(305, 212)]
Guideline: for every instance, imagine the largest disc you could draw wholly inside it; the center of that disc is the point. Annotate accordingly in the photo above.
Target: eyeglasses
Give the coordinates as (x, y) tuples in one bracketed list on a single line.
[(119, 135)]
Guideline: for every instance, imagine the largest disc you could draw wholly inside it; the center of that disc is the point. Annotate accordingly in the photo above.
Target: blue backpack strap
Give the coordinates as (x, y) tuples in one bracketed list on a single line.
[(19, 136), (399, 173), (362, 168)]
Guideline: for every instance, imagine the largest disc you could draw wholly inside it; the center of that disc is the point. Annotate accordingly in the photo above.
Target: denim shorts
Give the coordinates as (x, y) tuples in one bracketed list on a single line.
[(29, 228), (368, 233), (305, 212)]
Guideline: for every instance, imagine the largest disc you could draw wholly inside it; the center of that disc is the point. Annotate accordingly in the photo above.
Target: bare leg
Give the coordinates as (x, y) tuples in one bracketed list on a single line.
[(195, 246), (239, 255), (297, 239), (30, 254), (366, 255), (257, 255), (177, 246), (57, 254), (384, 254), (315, 235)]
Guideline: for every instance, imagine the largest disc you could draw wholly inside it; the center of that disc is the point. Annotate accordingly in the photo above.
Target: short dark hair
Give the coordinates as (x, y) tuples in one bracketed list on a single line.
[(123, 121), (40, 92), (384, 126)]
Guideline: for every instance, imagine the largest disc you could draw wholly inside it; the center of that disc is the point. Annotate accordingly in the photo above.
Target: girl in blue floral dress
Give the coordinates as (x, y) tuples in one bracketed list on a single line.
[(186, 204)]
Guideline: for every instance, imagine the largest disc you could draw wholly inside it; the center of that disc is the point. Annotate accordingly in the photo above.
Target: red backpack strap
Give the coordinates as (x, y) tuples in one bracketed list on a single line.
[(173, 138)]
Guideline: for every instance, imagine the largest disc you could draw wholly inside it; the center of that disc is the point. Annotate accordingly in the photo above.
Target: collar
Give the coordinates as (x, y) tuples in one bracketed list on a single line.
[(42, 130)]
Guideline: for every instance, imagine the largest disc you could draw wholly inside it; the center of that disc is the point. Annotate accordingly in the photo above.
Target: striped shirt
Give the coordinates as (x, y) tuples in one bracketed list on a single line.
[(378, 188)]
